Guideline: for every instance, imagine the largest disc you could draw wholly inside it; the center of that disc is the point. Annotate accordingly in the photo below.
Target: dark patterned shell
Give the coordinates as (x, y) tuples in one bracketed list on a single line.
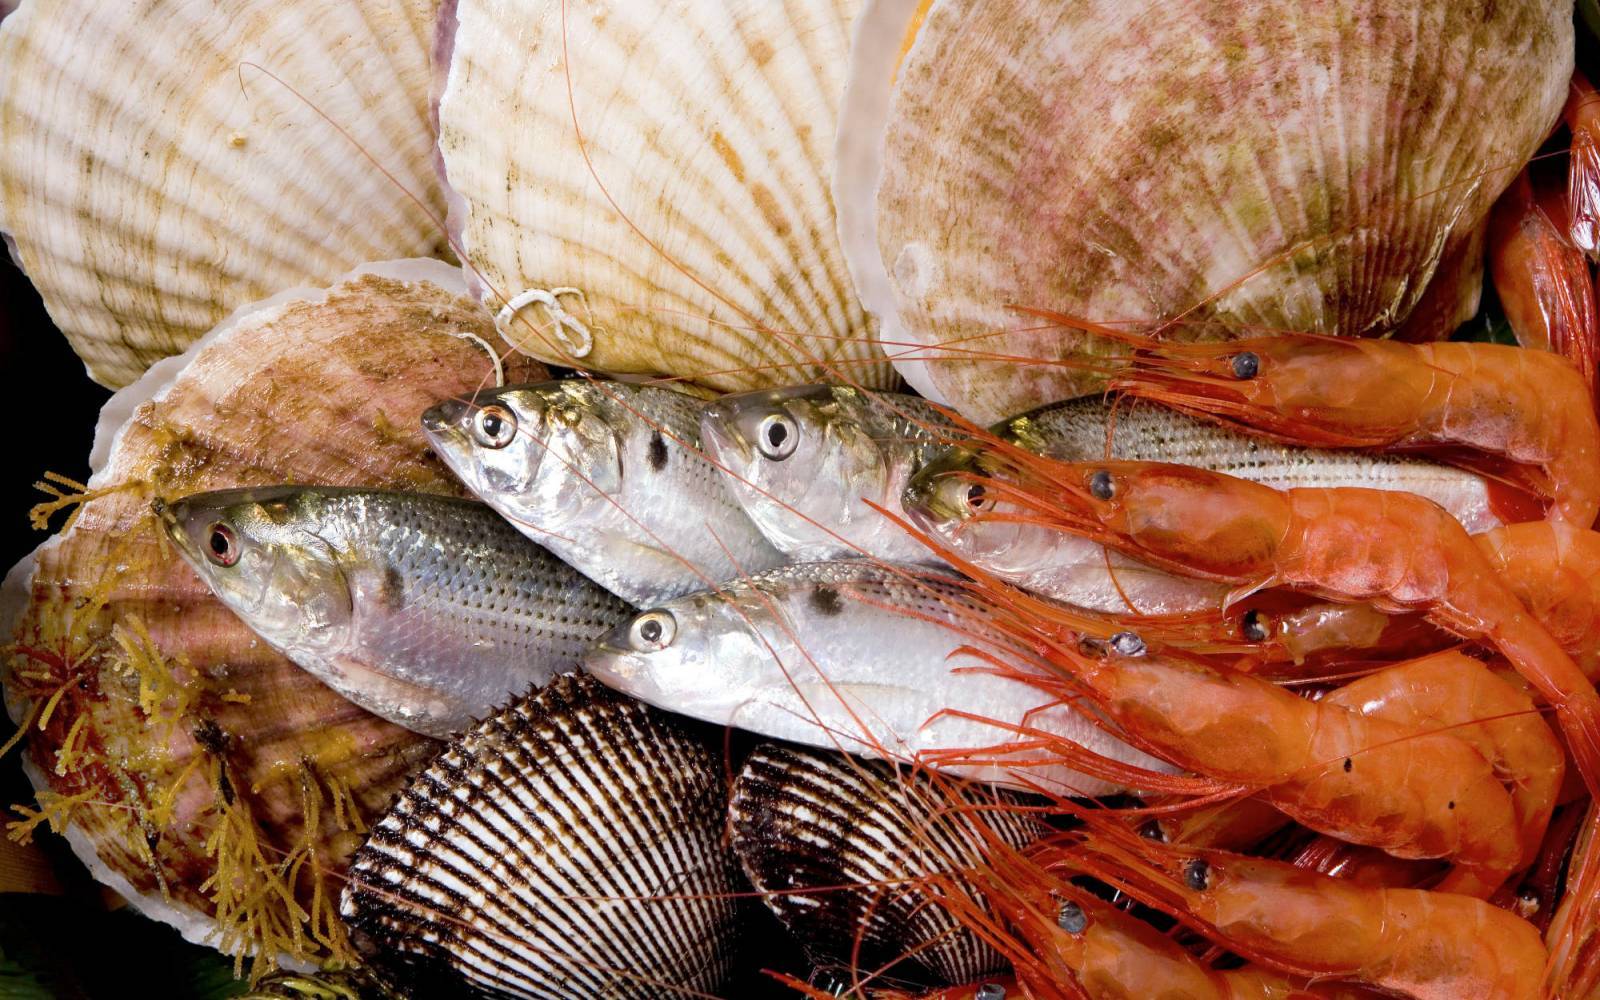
[(204, 776), (804, 819), (569, 847)]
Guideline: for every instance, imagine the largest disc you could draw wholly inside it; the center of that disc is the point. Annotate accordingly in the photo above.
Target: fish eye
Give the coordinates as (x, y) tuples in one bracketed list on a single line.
[(222, 545), (1101, 485), (494, 426), (1197, 875), (777, 437), (975, 496), (653, 631), (1246, 365)]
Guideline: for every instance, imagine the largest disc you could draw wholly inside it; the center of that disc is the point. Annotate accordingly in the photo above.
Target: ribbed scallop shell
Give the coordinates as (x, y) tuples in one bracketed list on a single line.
[(191, 743), (570, 846), (671, 209), (805, 819), (154, 182), (1245, 165)]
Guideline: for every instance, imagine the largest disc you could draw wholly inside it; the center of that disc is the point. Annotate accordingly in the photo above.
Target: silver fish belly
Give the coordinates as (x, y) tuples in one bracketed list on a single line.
[(607, 475), (850, 655), (428, 611), (808, 464), (1083, 573)]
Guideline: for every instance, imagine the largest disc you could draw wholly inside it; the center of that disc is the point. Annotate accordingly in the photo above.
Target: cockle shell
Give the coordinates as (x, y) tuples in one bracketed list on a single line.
[(570, 846), (155, 178), (205, 777), (655, 178), (836, 845), (1237, 165)]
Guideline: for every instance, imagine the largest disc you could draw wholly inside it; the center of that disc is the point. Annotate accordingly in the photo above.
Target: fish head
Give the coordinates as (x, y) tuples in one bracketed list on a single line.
[(956, 498), (262, 553), (539, 454), (803, 458), (687, 656)]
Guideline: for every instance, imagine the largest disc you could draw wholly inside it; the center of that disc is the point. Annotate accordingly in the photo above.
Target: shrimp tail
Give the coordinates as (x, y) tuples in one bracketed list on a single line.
[(1582, 115), (1574, 938)]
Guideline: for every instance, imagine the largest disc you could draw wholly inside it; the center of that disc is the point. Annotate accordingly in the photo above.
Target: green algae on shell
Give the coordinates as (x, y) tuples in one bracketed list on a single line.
[(198, 772)]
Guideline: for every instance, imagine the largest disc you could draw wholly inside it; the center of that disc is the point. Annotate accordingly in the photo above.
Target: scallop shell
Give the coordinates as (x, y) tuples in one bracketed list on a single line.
[(803, 820), (1239, 164), (570, 846), (657, 203), (155, 178), (204, 776)]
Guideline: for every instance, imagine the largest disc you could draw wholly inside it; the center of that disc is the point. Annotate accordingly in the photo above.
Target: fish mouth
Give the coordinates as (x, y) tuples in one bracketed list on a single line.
[(441, 418)]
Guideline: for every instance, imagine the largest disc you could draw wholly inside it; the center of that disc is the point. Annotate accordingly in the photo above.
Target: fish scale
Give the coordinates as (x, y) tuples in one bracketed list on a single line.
[(429, 611)]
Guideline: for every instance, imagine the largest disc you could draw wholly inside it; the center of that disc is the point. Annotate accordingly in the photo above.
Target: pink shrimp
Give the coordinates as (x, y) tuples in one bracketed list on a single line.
[(1542, 279), (1582, 115), (1423, 944), (1524, 417)]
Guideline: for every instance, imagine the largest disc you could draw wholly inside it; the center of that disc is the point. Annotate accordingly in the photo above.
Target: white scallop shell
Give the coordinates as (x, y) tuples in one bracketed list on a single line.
[(155, 179), (649, 184), (835, 846), (570, 846), (1246, 165)]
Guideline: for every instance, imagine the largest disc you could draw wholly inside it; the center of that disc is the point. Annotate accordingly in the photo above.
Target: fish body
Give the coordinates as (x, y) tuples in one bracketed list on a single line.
[(849, 655), (426, 610), (1083, 573), (809, 462), (607, 475)]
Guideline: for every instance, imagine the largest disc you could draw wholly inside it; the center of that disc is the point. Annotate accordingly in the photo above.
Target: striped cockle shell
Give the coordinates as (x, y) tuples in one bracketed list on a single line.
[(156, 177), (644, 188), (1236, 165), (836, 845), (193, 762), (569, 846)]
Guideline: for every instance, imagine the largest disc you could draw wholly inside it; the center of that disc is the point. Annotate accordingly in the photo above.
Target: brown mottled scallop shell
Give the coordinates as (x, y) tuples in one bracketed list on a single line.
[(199, 773), (570, 846), (806, 821)]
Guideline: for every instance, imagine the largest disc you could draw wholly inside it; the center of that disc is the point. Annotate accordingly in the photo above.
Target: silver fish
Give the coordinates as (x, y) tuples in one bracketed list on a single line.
[(428, 611), (848, 655), (607, 475), (804, 461), (1080, 572)]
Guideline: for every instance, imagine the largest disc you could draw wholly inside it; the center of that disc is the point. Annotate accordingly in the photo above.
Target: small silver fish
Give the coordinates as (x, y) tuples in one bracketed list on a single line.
[(1080, 572), (607, 475), (805, 460), (848, 655), (428, 611)]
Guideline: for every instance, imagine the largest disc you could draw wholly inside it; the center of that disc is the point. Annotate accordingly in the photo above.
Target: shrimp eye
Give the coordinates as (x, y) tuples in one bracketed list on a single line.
[(653, 631), (222, 546), (1254, 626), (1101, 486), (1128, 644), (1152, 831), (1527, 904), (1197, 875), (1246, 365), (1072, 919), (494, 426), (990, 991), (777, 438)]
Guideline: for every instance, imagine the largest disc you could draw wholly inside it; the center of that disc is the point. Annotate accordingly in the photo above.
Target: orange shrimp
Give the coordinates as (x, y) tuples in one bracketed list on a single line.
[(1396, 551), (1448, 692), (1519, 416), (1555, 570), (1423, 944), (1412, 790), (1367, 866), (1542, 279), (1582, 115)]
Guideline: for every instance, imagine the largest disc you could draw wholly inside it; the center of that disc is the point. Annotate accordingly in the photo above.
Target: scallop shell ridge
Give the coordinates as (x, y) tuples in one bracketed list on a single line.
[(162, 183), (1281, 166), (803, 819), (522, 861), (671, 214)]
